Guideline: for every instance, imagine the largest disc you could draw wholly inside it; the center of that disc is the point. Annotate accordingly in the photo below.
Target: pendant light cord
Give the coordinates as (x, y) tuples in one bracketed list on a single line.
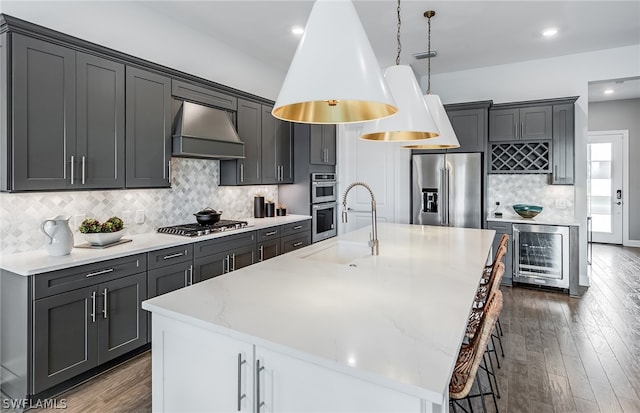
[(429, 56), (398, 34)]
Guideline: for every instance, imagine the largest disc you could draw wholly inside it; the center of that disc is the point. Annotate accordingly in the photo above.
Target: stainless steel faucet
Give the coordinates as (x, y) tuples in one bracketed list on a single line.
[(373, 241)]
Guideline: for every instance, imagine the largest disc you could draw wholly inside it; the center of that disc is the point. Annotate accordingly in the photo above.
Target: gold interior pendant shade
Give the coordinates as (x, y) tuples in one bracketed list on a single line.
[(334, 76)]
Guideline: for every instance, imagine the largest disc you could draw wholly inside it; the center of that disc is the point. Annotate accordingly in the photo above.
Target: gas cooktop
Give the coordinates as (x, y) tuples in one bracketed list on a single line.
[(194, 230)]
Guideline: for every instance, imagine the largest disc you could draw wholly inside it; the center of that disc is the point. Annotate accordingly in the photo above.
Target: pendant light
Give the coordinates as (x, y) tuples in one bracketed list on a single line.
[(334, 76), (447, 138), (413, 120)]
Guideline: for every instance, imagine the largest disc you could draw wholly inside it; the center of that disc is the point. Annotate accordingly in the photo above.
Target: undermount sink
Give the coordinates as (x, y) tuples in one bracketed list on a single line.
[(342, 252)]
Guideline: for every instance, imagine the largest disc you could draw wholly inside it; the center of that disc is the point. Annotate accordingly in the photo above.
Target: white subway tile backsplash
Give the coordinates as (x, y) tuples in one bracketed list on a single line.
[(194, 187)]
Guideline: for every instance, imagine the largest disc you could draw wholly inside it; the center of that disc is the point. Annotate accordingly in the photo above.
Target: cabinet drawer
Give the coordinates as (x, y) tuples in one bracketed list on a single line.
[(60, 281), (295, 228), (294, 242), (270, 233), (500, 227), (168, 256), (204, 248)]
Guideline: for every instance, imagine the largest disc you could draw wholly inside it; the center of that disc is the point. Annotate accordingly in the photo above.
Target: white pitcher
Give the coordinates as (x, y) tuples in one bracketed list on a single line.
[(59, 235)]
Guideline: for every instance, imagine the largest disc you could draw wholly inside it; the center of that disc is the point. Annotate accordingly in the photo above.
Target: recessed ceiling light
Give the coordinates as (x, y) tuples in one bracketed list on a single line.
[(297, 30), (608, 91), (550, 32)]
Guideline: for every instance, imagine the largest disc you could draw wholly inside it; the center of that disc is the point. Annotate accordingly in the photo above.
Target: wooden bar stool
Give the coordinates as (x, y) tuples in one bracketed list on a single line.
[(472, 357)]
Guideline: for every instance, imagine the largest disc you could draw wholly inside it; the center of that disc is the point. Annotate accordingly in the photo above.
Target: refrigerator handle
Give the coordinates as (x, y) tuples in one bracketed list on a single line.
[(447, 175), (444, 204)]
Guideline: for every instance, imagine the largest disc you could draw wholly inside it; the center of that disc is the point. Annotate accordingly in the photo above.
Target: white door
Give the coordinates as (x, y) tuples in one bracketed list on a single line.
[(384, 166), (605, 185)]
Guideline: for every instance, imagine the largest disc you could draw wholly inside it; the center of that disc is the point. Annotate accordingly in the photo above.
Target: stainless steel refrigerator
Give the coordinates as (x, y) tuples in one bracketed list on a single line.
[(446, 189)]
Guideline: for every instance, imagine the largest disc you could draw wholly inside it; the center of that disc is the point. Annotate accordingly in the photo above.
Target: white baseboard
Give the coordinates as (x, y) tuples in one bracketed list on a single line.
[(632, 243)]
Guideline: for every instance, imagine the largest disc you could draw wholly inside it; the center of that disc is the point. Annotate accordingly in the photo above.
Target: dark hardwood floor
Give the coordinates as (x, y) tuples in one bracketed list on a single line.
[(562, 354)]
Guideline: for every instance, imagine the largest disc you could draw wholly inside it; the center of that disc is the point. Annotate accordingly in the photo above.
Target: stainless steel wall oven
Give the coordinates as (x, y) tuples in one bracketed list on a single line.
[(323, 187), (542, 255), (323, 221)]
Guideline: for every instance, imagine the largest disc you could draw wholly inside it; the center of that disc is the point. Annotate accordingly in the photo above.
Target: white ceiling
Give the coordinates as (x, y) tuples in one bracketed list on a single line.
[(466, 34)]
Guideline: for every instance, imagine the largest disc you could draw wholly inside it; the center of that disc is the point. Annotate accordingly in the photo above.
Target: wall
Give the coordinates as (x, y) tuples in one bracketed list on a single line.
[(132, 28), (546, 78), (194, 187), (508, 189), (620, 115)]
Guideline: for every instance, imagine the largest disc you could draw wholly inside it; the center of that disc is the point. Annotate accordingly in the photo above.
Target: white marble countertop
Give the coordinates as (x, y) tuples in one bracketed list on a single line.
[(37, 262), (396, 319), (540, 220)]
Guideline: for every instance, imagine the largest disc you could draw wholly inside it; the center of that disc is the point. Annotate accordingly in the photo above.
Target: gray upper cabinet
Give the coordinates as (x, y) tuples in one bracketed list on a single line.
[(200, 94), (148, 129), (100, 132), (322, 145), (4, 115), (43, 105), (277, 151), (250, 132), (470, 124), (68, 117), (563, 164), (521, 123)]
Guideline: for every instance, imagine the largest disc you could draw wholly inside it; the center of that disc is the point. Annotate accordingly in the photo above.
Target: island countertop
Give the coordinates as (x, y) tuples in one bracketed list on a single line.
[(396, 319)]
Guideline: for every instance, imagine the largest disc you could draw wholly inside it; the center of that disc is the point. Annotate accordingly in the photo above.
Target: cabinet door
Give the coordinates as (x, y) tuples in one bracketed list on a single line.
[(535, 122), (170, 278), (100, 153), (270, 166), (250, 132), (471, 129), (122, 325), (284, 144), (286, 384), (329, 143), (44, 114), (196, 370), (504, 228), (65, 336), (211, 266), (148, 129), (242, 257), (268, 249), (563, 171), (504, 124), (317, 154)]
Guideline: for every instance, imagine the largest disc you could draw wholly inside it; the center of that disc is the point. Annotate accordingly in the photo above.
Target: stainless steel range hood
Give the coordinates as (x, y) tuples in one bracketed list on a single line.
[(204, 132)]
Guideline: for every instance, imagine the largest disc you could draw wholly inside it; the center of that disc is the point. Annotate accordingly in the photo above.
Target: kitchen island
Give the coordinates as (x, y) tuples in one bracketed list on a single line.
[(326, 328)]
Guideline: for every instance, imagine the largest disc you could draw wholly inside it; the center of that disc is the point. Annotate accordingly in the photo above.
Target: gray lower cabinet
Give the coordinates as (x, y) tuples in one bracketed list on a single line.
[(79, 329), (504, 228), (295, 236), (222, 255), (322, 144), (68, 119), (148, 129), (268, 243)]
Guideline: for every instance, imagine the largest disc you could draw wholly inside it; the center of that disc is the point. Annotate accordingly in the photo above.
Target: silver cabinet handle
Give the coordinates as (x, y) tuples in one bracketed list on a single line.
[(93, 274), (298, 227), (226, 260), (241, 172), (233, 262), (169, 173), (259, 403), (73, 161), (93, 307), (240, 394), (168, 257), (270, 233), (261, 251), (84, 168), (104, 308), (297, 244), (190, 275), (521, 130)]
